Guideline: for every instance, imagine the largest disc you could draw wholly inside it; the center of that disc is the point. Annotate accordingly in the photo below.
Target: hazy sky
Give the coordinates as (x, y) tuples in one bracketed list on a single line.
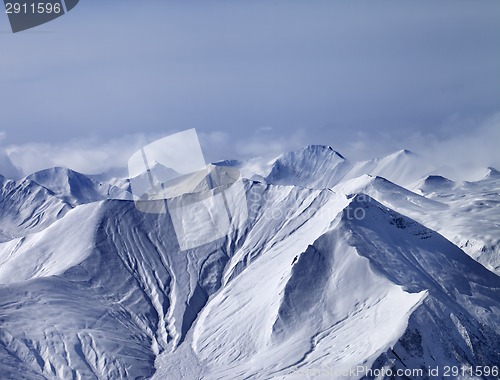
[(254, 78)]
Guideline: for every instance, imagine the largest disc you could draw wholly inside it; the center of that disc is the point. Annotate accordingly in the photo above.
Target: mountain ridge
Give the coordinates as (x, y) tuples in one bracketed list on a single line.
[(315, 271)]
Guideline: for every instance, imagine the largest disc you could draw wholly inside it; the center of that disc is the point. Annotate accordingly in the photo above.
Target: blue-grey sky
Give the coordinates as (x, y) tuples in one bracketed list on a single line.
[(254, 78)]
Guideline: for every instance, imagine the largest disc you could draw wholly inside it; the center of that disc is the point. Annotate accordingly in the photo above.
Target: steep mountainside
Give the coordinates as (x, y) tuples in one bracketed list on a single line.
[(76, 188), (25, 207), (317, 273)]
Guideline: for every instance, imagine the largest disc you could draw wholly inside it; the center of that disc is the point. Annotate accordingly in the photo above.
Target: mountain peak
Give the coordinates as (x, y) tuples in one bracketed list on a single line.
[(366, 211), (54, 171), (492, 172), (74, 187), (315, 166), (322, 149), (437, 179), (232, 163), (338, 281), (404, 152)]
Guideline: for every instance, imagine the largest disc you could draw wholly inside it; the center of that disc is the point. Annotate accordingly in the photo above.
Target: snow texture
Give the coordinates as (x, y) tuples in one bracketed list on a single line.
[(324, 265)]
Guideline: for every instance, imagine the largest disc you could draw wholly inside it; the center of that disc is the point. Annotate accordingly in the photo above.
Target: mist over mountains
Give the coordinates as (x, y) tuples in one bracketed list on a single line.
[(383, 264)]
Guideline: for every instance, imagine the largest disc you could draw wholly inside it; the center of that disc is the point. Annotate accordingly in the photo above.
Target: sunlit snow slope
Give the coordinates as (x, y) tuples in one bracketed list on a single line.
[(330, 267)]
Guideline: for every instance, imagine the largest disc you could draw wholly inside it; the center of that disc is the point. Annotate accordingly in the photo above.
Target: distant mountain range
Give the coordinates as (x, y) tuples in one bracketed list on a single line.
[(335, 269)]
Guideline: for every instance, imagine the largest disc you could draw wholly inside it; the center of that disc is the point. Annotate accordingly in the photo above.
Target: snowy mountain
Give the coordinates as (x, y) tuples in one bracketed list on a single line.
[(33, 203), (326, 267), (76, 188), (26, 207), (314, 312), (402, 167), (466, 214), (319, 166), (472, 220), (315, 166)]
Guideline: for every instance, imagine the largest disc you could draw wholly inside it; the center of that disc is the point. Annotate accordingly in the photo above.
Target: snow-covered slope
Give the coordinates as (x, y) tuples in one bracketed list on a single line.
[(380, 291), (461, 310), (125, 292), (26, 207), (472, 220), (318, 166), (402, 167), (50, 252), (318, 273), (310, 300), (76, 188), (467, 214), (270, 299), (315, 166), (33, 203)]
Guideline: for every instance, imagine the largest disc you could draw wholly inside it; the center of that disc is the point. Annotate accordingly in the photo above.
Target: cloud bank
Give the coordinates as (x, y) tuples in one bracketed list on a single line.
[(462, 156)]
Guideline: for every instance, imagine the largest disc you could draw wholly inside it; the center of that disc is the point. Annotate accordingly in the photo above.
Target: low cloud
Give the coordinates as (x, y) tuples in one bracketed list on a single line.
[(463, 155), (93, 156), (89, 156), (470, 146), (7, 168)]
